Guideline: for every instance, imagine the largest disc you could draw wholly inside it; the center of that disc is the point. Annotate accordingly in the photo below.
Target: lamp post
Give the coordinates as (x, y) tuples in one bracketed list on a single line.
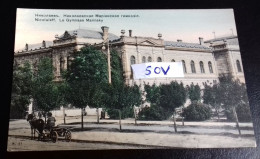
[(108, 62), (108, 59)]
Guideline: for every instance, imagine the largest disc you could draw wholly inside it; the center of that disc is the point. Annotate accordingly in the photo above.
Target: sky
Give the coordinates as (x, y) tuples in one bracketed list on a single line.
[(187, 25)]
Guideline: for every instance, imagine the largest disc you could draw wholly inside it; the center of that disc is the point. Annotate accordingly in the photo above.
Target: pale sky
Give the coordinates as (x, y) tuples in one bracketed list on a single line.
[(187, 25)]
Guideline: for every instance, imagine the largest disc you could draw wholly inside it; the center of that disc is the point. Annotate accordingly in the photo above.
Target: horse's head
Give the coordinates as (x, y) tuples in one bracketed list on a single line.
[(30, 117)]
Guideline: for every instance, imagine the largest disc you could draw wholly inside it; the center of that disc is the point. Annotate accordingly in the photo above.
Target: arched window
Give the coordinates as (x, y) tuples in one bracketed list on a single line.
[(173, 60), (132, 60), (61, 64), (202, 67), (239, 66), (159, 59), (69, 61), (192, 65), (149, 59), (143, 59), (210, 67), (184, 66)]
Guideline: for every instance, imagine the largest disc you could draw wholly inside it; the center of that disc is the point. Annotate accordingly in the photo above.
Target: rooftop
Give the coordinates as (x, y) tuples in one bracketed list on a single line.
[(36, 46), (91, 34), (221, 38), (186, 45)]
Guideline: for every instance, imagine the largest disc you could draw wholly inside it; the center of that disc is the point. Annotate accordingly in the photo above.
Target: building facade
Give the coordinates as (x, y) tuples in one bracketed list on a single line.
[(203, 62)]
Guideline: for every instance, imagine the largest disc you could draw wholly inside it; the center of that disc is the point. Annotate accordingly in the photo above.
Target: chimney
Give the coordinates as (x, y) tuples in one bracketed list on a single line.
[(123, 33), (26, 47), (105, 32), (179, 40), (201, 41), (130, 33), (43, 44), (159, 35)]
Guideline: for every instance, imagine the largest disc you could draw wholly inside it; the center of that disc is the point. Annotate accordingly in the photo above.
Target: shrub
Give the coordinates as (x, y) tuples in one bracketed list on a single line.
[(197, 112), (152, 113)]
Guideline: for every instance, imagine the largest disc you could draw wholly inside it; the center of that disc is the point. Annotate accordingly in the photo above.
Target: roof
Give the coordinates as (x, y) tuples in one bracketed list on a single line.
[(36, 46), (186, 45), (90, 34), (221, 38)]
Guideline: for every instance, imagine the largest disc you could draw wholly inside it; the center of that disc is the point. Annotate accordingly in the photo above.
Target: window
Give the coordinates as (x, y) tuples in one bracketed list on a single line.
[(210, 67), (69, 61), (173, 60), (239, 66), (149, 59), (184, 66), (143, 59), (202, 67), (192, 65), (61, 64), (159, 59), (132, 60)]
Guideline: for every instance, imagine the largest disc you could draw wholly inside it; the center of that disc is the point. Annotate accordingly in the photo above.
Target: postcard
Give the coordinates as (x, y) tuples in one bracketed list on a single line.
[(128, 79)]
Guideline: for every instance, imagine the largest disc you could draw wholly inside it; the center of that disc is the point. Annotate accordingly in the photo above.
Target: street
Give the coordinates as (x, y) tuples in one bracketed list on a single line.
[(146, 134)]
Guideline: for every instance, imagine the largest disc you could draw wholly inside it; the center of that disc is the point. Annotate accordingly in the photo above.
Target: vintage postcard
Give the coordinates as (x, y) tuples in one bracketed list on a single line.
[(128, 79)]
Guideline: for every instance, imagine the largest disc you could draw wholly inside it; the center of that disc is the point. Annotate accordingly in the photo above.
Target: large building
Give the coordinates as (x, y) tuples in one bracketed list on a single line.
[(203, 62)]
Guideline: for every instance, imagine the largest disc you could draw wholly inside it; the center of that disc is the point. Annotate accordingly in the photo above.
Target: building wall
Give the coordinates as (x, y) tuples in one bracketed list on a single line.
[(236, 56), (167, 56)]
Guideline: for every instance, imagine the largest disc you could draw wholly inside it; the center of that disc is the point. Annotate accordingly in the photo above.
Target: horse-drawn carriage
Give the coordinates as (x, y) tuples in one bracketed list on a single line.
[(53, 133)]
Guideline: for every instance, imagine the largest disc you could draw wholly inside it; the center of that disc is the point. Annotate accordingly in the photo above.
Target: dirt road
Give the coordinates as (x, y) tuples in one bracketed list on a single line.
[(27, 144)]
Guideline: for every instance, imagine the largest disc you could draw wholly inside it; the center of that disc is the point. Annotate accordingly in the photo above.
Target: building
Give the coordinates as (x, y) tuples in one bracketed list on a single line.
[(203, 62)]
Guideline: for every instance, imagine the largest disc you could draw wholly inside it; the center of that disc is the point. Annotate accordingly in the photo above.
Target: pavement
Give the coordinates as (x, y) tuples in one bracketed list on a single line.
[(207, 134)]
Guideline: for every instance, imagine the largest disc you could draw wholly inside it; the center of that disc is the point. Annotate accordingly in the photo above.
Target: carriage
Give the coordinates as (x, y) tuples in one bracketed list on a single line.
[(53, 133)]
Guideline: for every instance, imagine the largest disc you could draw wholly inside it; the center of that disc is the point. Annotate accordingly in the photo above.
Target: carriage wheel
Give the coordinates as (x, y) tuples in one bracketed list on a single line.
[(68, 136), (40, 136), (54, 136)]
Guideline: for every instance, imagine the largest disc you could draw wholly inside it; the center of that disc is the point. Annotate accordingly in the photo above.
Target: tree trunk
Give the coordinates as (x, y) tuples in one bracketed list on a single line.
[(97, 115), (64, 115), (45, 118), (182, 118), (237, 123), (82, 119), (175, 126), (120, 127), (135, 117), (217, 114)]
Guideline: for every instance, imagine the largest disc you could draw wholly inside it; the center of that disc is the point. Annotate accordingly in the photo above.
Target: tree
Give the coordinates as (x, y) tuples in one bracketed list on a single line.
[(86, 79), (197, 112), (233, 94), (152, 93), (194, 92), (212, 96), (172, 96), (165, 98), (122, 97), (47, 93), (21, 90)]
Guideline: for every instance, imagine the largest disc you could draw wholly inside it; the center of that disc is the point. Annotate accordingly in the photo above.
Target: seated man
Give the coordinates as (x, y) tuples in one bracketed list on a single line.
[(50, 121)]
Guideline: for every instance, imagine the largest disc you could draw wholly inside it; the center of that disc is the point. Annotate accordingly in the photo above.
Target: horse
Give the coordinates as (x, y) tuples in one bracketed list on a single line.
[(36, 125)]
